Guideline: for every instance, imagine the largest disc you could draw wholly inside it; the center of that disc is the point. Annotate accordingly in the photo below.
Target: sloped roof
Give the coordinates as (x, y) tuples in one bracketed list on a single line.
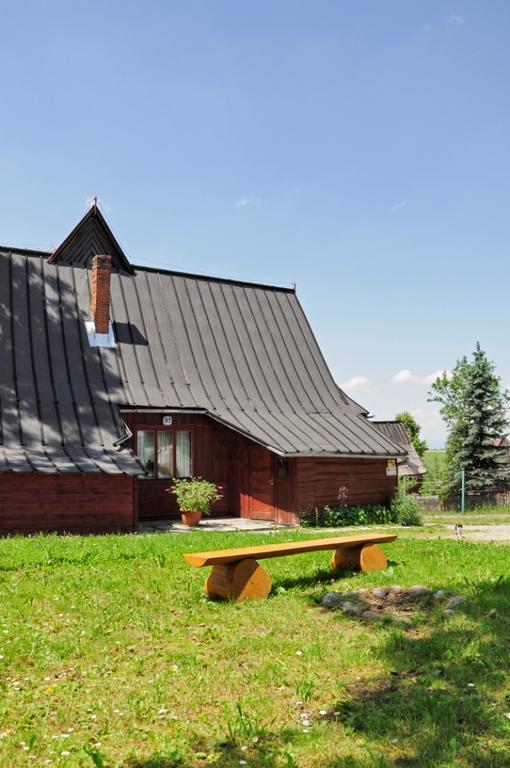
[(397, 433), (242, 353), (55, 412)]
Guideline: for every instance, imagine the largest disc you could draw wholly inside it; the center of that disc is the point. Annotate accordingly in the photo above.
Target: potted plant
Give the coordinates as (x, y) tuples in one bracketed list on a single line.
[(194, 497)]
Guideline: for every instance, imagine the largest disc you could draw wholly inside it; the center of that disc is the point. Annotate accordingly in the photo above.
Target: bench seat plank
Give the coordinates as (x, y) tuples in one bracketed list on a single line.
[(200, 559)]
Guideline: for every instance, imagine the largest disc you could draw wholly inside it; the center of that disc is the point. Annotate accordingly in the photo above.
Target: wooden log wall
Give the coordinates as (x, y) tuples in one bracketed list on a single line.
[(31, 503), (330, 482)]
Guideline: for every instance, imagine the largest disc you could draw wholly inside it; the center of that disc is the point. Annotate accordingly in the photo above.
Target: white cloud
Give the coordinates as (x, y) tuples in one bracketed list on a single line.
[(399, 206), (404, 376), (246, 201), (454, 19), (357, 382), (431, 377)]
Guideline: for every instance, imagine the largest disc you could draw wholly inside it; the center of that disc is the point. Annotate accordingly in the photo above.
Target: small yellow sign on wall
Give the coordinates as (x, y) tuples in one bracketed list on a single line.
[(391, 468)]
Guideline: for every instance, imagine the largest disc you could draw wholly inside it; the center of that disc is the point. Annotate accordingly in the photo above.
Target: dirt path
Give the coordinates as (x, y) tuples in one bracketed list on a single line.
[(499, 533)]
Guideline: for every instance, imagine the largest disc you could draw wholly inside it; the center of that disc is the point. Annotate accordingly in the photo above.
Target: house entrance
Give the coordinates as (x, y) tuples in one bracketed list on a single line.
[(261, 473)]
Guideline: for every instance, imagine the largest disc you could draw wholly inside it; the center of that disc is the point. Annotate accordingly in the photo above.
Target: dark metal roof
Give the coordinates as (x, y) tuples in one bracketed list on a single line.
[(243, 353), (56, 414), (397, 433)]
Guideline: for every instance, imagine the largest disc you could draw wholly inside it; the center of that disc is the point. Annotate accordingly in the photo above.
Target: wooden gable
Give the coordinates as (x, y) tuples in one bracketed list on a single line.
[(90, 237)]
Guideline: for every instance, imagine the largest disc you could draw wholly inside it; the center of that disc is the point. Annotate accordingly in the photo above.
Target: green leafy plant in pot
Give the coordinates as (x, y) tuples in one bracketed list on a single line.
[(195, 498)]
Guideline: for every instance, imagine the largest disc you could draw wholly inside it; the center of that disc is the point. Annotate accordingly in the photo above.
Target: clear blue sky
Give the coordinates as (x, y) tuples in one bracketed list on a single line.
[(359, 149)]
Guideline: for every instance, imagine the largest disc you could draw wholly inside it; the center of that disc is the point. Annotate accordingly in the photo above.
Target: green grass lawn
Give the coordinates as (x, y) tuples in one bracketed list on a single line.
[(111, 656)]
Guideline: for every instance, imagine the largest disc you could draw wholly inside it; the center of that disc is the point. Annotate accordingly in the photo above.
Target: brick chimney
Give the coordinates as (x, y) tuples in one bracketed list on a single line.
[(101, 273)]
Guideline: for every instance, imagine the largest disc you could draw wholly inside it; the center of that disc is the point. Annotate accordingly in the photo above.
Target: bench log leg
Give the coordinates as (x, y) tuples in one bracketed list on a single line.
[(244, 580), (365, 558)]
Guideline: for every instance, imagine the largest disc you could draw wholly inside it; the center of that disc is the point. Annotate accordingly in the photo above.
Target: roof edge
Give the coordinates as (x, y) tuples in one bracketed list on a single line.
[(214, 278), (24, 251), (142, 267)]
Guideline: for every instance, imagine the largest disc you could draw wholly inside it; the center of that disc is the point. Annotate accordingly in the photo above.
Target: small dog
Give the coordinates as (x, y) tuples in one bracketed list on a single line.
[(459, 531)]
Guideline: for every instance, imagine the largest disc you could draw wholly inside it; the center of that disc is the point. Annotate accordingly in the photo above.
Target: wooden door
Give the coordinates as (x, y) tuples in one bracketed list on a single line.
[(261, 474)]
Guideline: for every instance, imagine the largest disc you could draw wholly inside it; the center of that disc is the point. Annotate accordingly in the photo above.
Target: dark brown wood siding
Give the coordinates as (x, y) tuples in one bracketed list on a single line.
[(67, 503), (256, 483), (322, 482), (216, 452)]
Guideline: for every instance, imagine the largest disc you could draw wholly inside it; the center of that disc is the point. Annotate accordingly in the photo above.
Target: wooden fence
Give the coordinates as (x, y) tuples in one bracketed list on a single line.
[(474, 500)]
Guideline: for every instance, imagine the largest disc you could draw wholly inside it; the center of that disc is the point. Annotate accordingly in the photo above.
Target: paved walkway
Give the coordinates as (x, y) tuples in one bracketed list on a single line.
[(499, 533), (209, 524)]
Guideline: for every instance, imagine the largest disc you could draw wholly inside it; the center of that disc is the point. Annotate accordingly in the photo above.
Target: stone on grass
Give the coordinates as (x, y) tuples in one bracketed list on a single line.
[(455, 601), (396, 589), (380, 592), (351, 609), (352, 595), (332, 600), (440, 594), (369, 615), (418, 590)]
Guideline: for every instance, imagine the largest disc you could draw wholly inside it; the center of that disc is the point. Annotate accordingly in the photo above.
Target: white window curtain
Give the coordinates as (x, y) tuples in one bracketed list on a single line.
[(183, 454)]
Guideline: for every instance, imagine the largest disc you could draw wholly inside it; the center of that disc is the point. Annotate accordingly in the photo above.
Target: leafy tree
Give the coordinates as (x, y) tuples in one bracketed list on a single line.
[(435, 477), (473, 404), (413, 430)]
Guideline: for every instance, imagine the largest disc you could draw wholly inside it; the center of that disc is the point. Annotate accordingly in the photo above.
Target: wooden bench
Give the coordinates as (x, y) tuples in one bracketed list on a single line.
[(236, 575)]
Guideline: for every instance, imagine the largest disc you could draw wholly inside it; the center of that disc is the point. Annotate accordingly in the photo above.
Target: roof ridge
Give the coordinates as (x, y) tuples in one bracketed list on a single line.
[(214, 278), (24, 251), (162, 270)]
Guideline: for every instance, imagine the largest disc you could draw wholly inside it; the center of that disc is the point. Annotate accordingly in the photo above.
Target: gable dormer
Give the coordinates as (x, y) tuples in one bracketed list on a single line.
[(90, 237)]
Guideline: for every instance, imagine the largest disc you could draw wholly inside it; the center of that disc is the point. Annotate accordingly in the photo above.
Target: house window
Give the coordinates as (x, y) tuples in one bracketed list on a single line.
[(165, 452), (146, 442)]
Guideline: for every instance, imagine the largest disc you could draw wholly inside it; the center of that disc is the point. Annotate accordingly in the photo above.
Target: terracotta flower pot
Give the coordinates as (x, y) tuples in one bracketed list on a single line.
[(191, 517)]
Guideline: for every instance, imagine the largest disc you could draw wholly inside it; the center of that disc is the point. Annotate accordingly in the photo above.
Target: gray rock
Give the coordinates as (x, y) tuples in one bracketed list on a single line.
[(354, 595), (396, 589), (448, 611), (369, 615), (332, 600), (454, 602), (440, 594), (419, 591), (380, 592), (351, 609)]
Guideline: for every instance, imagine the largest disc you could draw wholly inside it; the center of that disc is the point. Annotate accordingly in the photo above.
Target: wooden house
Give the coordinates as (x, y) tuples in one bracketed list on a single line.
[(409, 466), (115, 378)]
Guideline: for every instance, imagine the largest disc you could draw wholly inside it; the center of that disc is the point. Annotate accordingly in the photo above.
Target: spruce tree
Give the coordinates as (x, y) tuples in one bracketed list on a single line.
[(473, 405)]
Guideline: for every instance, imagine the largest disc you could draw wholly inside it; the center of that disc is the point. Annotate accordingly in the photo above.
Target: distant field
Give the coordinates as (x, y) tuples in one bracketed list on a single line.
[(433, 460)]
